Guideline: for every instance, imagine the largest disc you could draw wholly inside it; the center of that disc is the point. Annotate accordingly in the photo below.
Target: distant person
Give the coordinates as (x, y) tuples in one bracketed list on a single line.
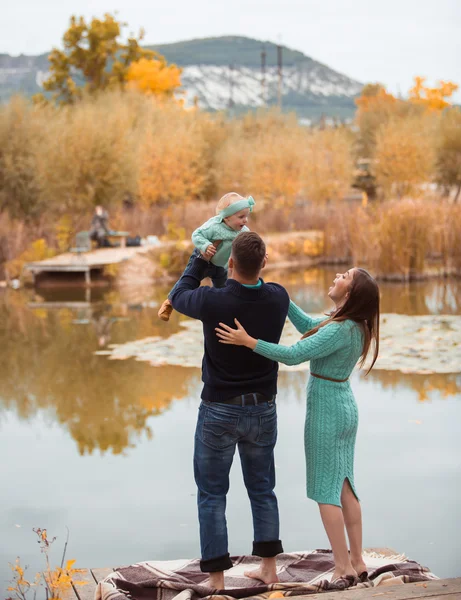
[(99, 227), (213, 241), (333, 346)]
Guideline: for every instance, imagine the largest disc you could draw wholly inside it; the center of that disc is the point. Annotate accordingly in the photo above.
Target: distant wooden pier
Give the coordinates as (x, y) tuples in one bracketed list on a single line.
[(83, 262)]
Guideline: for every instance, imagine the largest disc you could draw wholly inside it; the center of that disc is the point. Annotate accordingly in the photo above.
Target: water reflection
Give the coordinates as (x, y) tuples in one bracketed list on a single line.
[(58, 400), (48, 343), (446, 385), (50, 366), (433, 296)]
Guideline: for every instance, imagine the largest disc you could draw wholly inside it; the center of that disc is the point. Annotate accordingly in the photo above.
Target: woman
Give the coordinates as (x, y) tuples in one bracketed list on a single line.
[(334, 346)]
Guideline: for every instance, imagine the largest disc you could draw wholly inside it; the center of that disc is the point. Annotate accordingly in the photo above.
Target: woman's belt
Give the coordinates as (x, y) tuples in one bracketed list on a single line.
[(329, 378)]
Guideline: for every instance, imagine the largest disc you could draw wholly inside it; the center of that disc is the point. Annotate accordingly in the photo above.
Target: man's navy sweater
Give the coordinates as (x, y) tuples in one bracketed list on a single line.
[(229, 371)]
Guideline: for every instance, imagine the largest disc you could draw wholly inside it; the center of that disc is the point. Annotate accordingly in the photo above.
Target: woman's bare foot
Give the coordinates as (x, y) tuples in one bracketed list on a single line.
[(341, 573), (359, 566), (267, 572)]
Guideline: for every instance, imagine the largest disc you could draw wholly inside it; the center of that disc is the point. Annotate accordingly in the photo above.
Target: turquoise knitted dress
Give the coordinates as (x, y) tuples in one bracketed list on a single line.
[(331, 415)]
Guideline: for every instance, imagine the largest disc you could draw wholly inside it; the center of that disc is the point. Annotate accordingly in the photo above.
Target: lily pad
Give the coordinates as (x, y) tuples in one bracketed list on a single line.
[(420, 344)]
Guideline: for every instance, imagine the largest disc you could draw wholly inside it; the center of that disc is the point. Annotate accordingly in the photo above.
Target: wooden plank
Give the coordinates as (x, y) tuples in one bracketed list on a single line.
[(447, 589), (443, 589), (95, 258), (84, 592), (71, 268), (100, 574), (68, 594), (58, 305)]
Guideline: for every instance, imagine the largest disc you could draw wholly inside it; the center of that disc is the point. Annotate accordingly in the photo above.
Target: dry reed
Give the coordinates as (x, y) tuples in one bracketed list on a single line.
[(160, 170)]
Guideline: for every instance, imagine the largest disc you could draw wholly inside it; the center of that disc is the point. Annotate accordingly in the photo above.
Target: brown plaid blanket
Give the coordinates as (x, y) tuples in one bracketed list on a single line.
[(300, 573)]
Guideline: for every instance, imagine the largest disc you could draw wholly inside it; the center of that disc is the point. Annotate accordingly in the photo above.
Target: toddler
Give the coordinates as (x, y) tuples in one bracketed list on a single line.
[(213, 240)]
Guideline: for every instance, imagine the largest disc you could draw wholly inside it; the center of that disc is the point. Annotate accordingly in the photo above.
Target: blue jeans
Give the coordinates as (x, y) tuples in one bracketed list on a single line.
[(218, 275), (220, 428)]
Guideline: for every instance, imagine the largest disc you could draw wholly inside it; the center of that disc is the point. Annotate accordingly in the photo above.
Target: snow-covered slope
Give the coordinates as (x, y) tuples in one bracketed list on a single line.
[(217, 87), (222, 73)]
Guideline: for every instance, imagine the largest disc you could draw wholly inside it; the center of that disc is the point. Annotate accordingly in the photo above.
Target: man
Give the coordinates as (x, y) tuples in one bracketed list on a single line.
[(238, 403)]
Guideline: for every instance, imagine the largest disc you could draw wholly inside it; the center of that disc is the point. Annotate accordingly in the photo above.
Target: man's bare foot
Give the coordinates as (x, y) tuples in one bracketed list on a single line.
[(262, 575), (217, 580), (267, 572)]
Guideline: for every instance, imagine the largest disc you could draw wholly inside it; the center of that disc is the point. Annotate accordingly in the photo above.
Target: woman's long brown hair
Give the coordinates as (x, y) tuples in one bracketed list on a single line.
[(361, 306)]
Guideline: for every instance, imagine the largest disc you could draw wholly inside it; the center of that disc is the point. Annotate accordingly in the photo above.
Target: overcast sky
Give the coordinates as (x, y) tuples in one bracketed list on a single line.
[(370, 40)]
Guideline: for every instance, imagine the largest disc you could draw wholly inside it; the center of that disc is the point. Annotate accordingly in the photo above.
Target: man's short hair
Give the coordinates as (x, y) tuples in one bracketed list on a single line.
[(248, 253)]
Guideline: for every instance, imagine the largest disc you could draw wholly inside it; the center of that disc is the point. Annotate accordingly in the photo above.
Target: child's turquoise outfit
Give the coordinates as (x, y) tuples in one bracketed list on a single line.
[(216, 229), (331, 414)]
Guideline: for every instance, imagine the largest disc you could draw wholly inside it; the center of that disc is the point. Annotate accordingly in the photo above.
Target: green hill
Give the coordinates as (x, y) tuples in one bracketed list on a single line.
[(224, 50)]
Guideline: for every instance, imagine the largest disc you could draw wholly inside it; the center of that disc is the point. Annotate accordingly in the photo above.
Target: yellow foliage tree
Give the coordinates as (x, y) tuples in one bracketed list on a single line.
[(261, 155), (37, 251), (432, 98), (154, 77), (92, 53), (97, 139), (404, 156), (21, 138), (172, 158), (375, 106), (374, 95), (327, 165), (449, 151)]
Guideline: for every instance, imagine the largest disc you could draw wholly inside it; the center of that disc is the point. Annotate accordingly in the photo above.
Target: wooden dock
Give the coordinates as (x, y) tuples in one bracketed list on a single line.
[(439, 589), (84, 262)]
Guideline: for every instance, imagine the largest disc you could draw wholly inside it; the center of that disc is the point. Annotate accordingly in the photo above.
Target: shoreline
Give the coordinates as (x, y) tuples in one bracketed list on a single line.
[(164, 263)]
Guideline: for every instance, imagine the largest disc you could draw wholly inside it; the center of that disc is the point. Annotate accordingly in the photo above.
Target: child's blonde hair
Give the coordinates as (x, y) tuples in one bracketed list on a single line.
[(227, 200)]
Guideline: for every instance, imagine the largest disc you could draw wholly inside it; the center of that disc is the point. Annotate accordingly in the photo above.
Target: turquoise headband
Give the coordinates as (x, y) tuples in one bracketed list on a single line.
[(237, 206)]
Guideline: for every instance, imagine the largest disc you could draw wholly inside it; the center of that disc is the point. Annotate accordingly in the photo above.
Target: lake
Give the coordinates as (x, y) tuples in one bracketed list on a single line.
[(104, 448)]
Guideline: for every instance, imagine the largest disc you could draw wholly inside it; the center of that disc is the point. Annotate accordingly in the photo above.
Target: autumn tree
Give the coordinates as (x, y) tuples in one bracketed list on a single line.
[(448, 161), (154, 77), (375, 107), (328, 165), (262, 153), (21, 136), (404, 156), (93, 58), (172, 158), (434, 98)]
